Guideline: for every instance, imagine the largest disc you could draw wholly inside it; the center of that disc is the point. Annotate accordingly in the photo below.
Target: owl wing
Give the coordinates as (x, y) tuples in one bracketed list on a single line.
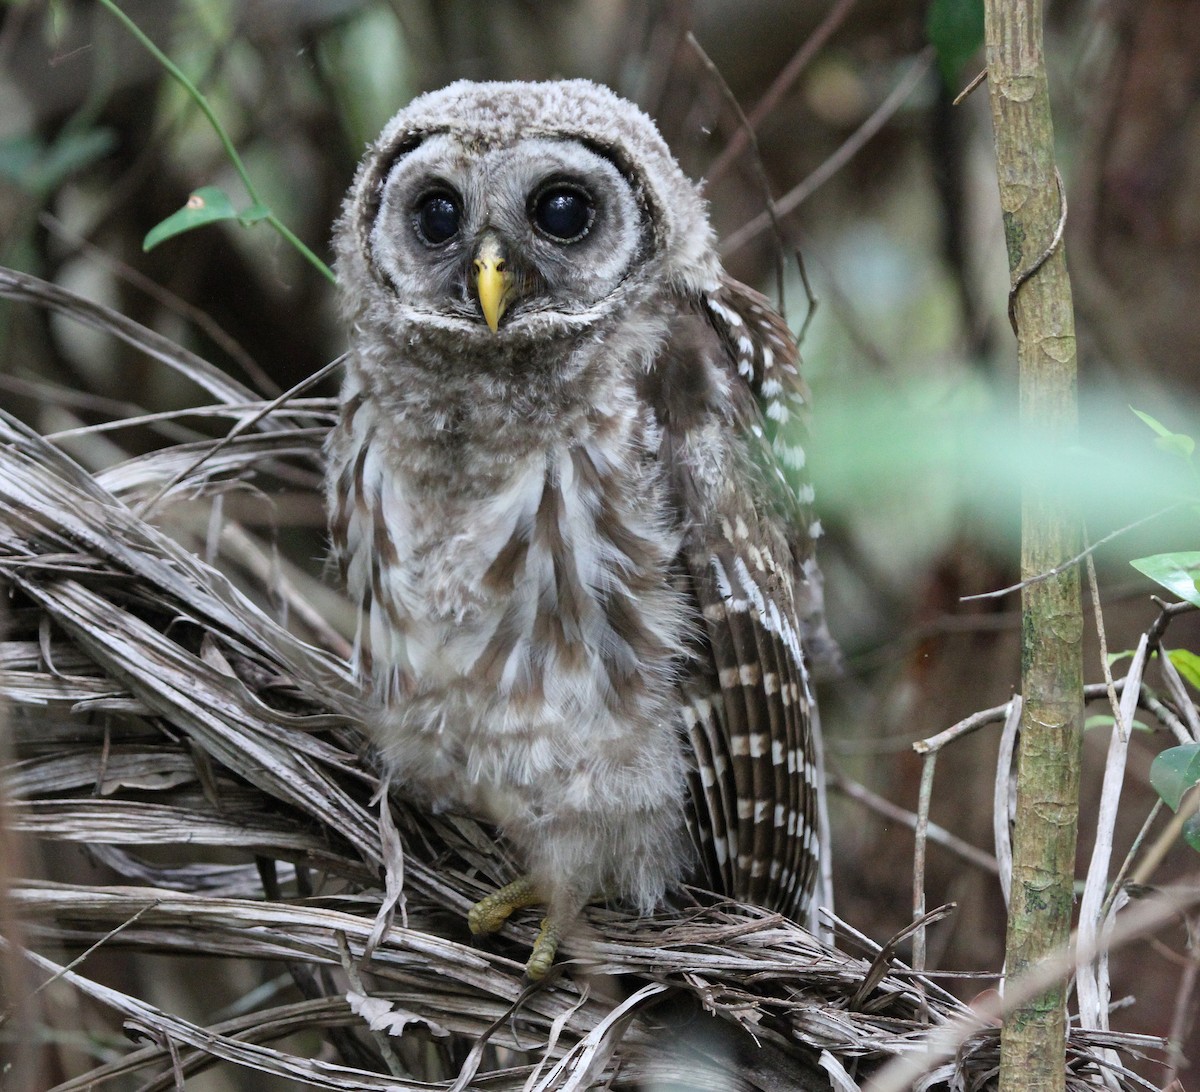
[(728, 396)]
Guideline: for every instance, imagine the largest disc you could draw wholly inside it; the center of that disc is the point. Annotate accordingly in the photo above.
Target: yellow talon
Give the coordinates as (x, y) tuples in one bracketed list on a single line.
[(541, 959), (490, 913)]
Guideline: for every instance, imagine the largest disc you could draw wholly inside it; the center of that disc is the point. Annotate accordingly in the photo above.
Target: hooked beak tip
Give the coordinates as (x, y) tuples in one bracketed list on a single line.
[(493, 282)]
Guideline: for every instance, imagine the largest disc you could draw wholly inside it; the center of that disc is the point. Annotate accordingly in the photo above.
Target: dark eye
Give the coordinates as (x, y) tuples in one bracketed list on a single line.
[(437, 218), (564, 213)]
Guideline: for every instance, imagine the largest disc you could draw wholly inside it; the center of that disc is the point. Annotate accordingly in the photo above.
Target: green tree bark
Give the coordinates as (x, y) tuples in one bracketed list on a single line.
[(1033, 204)]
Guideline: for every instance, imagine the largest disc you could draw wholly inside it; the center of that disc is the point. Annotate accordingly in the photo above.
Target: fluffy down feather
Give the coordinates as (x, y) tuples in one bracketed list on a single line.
[(580, 546)]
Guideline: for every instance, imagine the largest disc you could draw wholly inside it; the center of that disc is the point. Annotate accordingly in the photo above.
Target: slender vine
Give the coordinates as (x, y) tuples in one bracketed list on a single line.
[(197, 96)]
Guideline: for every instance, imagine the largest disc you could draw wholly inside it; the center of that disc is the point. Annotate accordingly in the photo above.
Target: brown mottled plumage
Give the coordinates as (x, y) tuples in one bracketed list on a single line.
[(558, 494)]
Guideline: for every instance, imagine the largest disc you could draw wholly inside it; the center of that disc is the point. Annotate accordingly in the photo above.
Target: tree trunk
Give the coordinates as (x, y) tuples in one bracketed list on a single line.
[(1033, 203)]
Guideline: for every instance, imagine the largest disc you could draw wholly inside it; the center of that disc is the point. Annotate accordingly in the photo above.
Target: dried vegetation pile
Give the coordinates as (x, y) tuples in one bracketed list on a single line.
[(191, 723)]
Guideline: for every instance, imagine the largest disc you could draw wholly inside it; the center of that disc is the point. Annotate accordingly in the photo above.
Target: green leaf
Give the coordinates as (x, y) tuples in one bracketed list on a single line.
[(1117, 657), (1174, 442), (955, 27), (1191, 832), (1175, 771), (1187, 664), (206, 205), (1154, 423), (1176, 572)]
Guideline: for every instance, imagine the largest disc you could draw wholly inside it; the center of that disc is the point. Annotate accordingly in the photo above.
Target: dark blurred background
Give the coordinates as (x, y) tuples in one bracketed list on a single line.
[(909, 352)]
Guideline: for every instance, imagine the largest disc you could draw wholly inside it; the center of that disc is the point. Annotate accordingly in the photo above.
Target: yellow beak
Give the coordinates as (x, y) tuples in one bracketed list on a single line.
[(493, 281)]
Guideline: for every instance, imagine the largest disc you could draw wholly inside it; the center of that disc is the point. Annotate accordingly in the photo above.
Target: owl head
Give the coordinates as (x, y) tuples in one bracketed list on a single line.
[(519, 213)]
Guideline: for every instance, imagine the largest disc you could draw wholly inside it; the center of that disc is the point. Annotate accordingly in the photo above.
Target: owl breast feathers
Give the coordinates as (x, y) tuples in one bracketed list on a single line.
[(566, 494)]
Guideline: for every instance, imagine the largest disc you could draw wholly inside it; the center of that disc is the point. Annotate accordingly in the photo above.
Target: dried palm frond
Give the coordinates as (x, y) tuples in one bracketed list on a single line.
[(207, 755)]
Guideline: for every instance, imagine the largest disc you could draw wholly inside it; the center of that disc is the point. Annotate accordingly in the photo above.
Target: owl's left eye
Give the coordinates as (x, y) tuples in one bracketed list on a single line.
[(563, 212), (437, 218)]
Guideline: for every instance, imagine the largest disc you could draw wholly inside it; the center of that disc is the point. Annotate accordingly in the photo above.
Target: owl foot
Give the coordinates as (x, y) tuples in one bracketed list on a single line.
[(490, 913), (544, 949)]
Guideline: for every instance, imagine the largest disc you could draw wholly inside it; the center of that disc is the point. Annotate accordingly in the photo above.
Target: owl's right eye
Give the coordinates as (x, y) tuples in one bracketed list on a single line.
[(437, 218)]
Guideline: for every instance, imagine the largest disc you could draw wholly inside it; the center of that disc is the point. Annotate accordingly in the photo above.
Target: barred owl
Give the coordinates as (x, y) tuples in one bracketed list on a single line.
[(558, 496)]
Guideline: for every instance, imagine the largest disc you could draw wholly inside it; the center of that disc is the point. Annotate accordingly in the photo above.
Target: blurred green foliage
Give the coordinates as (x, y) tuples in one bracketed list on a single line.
[(1173, 774), (955, 27), (39, 168)]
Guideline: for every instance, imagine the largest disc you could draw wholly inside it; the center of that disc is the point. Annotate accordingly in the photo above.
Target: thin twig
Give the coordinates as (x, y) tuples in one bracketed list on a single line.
[(1187, 707), (1091, 980), (760, 172), (853, 144), (1059, 569), (1167, 613), (1105, 666), (314, 408), (243, 425), (1184, 1010), (79, 959), (1166, 841), (780, 86), (963, 728), (1165, 716), (1002, 794), (924, 799), (813, 300), (966, 91), (193, 92), (1119, 880), (937, 834), (880, 964)]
